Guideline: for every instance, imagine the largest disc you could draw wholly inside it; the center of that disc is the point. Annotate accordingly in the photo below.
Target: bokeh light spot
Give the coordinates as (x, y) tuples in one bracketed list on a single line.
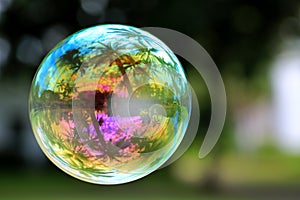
[(29, 50), (4, 51), (94, 7)]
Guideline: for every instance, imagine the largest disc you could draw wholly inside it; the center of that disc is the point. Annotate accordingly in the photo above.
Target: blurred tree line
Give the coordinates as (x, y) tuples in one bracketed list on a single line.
[(231, 31)]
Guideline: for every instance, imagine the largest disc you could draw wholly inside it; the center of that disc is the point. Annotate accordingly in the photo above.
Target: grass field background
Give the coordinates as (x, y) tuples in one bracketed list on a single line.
[(238, 177)]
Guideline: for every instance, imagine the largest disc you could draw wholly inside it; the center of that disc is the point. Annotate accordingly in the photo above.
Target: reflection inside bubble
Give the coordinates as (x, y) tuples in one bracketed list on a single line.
[(109, 104)]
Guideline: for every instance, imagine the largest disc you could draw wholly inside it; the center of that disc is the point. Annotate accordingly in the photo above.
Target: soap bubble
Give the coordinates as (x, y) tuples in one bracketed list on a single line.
[(109, 104)]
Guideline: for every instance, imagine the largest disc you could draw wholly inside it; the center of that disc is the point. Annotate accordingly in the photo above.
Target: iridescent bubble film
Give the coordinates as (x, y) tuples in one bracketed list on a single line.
[(109, 104)]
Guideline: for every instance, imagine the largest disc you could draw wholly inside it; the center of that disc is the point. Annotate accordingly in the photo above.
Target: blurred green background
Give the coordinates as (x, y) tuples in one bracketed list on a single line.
[(256, 46)]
